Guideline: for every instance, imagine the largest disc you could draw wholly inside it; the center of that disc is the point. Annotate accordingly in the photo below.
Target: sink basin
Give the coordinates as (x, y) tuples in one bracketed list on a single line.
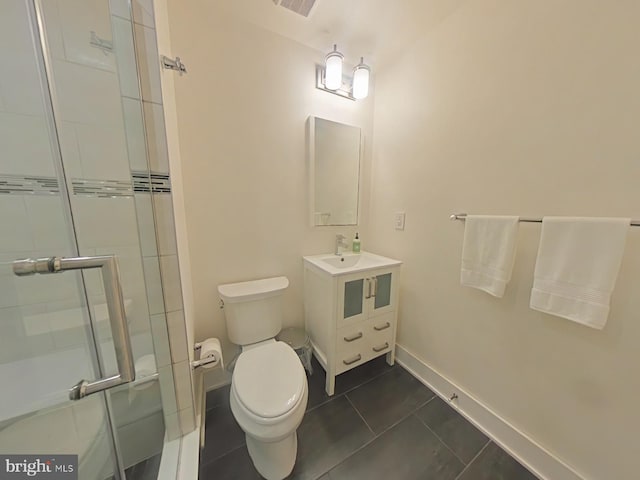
[(349, 262), (344, 261)]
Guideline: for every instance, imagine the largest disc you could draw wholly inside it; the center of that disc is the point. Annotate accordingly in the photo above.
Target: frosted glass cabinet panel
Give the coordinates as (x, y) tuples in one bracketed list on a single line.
[(353, 297), (382, 289)]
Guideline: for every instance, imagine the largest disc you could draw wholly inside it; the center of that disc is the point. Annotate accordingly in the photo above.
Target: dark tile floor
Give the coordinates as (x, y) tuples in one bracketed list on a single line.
[(382, 423)]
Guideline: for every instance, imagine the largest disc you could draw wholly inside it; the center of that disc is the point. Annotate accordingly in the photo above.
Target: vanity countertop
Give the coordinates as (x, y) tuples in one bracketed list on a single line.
[(349, 262)]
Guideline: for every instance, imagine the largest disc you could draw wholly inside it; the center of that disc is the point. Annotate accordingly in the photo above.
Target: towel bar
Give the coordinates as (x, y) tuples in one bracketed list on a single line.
[(462, 216)]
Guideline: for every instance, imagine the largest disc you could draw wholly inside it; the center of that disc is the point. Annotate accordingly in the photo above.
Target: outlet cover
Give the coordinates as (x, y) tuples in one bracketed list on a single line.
[(398, 220)]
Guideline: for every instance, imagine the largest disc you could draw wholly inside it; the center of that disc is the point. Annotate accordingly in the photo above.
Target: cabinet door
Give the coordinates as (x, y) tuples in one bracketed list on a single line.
[(351, 299), (384, 292)]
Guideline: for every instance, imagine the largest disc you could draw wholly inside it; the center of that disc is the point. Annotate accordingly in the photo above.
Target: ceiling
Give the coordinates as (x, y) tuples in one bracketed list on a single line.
[(375, 29)]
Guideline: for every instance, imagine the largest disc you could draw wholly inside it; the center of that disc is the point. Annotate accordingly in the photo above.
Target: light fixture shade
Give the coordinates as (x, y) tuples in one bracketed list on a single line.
[(360, 87), (333, 70)]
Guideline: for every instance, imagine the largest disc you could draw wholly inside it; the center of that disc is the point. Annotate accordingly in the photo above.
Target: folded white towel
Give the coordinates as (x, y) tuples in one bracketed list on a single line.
[(488, 252), (577, 266)]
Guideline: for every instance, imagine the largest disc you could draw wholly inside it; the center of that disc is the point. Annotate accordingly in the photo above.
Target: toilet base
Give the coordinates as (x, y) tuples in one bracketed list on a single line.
[(273, 460)]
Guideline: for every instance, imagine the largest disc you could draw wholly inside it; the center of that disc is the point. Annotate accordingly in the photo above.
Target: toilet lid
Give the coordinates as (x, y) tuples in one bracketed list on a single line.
[(269, 380)]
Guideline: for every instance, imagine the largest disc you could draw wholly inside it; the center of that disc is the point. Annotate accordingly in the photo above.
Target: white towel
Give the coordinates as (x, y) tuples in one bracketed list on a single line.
[(488, 252), (577, 266)]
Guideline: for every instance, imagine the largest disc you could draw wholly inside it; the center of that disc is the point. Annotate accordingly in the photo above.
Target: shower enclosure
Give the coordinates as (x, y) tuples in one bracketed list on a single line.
[(83, 191)]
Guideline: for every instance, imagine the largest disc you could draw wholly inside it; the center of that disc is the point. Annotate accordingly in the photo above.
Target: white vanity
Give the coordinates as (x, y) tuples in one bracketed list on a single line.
[(350, 304)]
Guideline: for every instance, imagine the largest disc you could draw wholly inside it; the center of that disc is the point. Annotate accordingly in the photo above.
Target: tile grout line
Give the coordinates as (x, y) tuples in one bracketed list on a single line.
[(394, 424), (473, 460), (377, 375), (446, 444), (425, 403), (328, 400), (224, 410), (244, 444), (221, 456), (360, 415), (375, 436), (326, 472), (338, 395), (403, 418)]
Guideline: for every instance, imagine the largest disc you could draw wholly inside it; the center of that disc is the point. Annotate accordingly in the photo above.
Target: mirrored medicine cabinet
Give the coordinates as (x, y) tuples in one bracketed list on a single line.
[(334, 151)]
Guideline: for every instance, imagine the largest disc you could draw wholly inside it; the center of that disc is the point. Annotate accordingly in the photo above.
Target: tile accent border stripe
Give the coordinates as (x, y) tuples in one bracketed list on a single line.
[(28, 185), (141, 182), (102, 188), (145, 182), (520, 446)]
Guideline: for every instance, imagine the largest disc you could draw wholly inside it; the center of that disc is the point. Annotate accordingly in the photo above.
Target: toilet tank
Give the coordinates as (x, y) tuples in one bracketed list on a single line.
[(253, 310)]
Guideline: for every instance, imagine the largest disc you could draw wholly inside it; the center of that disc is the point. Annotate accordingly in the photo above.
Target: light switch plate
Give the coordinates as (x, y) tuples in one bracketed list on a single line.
[(399, 220)]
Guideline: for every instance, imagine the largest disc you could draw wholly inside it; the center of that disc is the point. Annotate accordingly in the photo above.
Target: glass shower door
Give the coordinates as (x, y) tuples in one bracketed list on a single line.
[(95, 88), (71, 137), (46, 338)]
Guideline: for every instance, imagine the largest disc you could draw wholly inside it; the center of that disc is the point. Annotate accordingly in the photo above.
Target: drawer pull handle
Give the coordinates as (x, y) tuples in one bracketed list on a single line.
[(383, 347), (353, 338), (355, 359), (384, 327)]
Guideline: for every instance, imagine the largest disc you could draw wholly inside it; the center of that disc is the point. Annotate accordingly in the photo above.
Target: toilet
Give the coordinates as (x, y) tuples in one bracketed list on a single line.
[(269, 385)]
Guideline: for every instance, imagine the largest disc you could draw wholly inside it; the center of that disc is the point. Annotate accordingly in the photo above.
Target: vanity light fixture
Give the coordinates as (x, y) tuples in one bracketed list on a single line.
[(361, 80), (331, 78), (333, 69)]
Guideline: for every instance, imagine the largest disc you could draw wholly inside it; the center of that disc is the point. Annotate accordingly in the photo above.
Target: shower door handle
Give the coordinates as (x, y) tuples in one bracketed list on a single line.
[(115, 305)]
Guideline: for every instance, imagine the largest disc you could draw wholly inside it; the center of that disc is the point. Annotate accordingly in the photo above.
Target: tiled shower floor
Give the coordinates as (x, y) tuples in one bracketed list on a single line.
[(382, 423)]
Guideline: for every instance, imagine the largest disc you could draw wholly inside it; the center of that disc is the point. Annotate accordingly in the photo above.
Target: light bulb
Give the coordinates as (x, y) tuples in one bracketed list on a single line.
[(333, 70), (360, 80)]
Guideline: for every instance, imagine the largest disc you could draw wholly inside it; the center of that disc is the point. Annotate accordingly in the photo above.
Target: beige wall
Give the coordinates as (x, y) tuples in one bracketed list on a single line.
[(527, 108), (242, 110)]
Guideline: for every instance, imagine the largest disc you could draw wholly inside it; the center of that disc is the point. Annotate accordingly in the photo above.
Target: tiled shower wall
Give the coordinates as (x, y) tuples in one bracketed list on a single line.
[(160, 258)]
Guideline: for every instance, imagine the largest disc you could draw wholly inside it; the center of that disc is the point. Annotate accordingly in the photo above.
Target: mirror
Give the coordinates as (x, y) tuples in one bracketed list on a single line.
[(334, 154)]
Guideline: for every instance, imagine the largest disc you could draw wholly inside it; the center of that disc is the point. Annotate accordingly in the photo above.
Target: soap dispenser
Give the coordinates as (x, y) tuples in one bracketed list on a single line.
[(355, 246)]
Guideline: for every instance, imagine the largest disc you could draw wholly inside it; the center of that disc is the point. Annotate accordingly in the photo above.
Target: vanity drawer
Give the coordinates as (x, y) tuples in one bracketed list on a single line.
[(380, 334), (352, 337), (350, 359)]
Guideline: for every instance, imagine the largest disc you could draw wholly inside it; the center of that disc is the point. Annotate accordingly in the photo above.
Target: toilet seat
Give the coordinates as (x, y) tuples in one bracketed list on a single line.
[(269, 381)]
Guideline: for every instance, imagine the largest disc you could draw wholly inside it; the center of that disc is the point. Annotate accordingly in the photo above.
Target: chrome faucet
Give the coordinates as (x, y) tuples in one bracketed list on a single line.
[(340, 243)]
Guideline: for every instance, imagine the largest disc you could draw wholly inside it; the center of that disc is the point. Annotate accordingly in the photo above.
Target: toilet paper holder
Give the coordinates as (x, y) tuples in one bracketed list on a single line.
[(205, 361), (202, 362)]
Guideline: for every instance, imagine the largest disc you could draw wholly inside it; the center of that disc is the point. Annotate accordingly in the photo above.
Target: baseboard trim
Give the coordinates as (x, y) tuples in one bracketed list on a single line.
[(516, 443)]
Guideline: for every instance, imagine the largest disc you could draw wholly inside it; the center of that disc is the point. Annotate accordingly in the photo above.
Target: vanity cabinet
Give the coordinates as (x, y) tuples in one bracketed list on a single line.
[(350, 317)]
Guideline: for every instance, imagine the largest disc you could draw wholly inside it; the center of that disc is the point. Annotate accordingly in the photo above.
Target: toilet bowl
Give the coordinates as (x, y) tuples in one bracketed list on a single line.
[(269, 385), (268, 400)]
